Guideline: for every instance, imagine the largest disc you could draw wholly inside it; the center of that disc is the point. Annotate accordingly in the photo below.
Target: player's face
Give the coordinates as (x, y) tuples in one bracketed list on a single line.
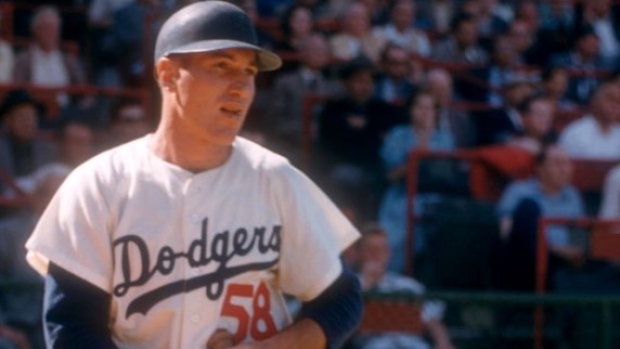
[(215, 91)]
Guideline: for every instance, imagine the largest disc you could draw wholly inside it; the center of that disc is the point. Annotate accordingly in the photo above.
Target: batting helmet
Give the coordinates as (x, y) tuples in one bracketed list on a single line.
[(211, 25)]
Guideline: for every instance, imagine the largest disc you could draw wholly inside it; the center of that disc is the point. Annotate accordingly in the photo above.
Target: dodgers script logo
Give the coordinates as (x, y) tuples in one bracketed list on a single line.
[(224, 247)]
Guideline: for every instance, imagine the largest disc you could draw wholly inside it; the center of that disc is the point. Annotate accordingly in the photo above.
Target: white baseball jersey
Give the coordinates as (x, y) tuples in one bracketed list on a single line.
[(183, 254)]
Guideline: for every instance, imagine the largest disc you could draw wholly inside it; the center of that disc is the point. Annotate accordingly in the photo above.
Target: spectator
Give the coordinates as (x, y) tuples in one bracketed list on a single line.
[(393, 84), (549, 194), (379, 11), (526, 43), (44, 63), (596, 135), (291, 89), (489, 80), (554, 86), (610, 206), (557, 25), (437, 14), (421, 133), (557, 15), (461, 46), (542, 41), (21, 150), (7, 61), (497, 125), (117, 31), (452, 119), (75, 145), (128, 122), (400, 31), (491, 19), (351, 129), (598, 14), (356, 38), (537, 119), (527, 11), (374, 254), (296, 24), (585, 62)]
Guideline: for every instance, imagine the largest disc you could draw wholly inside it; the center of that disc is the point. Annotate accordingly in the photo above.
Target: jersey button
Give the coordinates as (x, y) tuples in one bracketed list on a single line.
[(195, 218), (195, 318)]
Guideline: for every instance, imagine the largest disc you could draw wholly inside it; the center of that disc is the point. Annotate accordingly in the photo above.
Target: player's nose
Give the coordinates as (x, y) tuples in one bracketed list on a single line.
[(242, 88)]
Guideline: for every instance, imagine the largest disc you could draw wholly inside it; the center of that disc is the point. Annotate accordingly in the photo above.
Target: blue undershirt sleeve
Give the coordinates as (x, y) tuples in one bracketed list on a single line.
[(338, 310), (75, 312)]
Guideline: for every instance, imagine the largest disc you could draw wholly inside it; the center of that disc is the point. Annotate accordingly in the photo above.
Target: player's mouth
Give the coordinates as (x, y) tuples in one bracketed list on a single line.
[(233, 112)]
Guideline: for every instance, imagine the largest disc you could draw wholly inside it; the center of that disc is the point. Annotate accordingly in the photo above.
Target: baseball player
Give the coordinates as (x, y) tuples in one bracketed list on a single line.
[(190, 236)]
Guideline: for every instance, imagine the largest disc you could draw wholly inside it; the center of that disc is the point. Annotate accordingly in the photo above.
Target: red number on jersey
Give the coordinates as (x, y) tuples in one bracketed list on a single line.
[(260, 320)]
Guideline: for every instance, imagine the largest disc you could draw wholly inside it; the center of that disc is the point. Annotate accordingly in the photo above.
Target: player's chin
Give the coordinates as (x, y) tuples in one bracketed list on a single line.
[(225, 137)]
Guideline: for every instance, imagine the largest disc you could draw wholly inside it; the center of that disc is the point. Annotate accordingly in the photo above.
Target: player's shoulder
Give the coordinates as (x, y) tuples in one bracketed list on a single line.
[(115, 161), (260, 158)]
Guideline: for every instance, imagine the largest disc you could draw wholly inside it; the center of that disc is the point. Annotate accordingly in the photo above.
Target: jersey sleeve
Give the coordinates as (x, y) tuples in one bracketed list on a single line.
[(73, 231), (314, 233)]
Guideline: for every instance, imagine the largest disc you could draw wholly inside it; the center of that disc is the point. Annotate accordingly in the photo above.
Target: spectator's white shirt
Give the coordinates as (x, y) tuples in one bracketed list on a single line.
[(609, 43), (583, 138), (411, 40), (48, 69), (610, 206), (7, 60), (33, 182)]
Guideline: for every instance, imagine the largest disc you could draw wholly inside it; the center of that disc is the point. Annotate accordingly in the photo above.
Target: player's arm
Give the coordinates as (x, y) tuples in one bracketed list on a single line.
[(325, 322), (75, 312)]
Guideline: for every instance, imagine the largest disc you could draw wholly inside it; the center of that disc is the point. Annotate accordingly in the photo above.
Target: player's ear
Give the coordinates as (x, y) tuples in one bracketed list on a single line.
[(167, 73)]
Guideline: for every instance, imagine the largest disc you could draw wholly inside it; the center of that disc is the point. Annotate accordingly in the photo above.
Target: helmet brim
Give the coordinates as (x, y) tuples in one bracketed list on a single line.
[(267, 60)]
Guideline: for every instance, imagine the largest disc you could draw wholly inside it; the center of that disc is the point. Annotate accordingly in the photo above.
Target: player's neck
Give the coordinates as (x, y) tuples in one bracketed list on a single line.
[(189, 153)]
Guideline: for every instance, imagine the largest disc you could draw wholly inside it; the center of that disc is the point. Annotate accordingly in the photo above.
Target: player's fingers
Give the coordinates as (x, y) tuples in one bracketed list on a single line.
[(220, 339)]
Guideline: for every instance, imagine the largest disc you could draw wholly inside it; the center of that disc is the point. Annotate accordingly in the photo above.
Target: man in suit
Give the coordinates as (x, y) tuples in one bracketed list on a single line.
[(499, 124), (585, 62), (461, 46), (484, 84), (291, 89), (393, 84), (351, 129)]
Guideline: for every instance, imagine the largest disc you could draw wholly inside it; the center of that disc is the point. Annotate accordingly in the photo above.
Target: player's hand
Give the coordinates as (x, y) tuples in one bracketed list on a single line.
[(220, 339)]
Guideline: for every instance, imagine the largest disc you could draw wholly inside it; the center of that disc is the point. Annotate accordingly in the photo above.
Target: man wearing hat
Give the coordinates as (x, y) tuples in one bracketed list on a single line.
[(190, 236)]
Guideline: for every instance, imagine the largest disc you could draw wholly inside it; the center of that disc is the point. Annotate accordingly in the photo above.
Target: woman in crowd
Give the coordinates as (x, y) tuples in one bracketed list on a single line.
[(421, 133)]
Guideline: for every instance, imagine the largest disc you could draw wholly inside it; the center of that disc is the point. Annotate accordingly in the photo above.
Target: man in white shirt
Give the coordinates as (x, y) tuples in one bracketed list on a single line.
[(597, 135), (44, 63), (400, 30)]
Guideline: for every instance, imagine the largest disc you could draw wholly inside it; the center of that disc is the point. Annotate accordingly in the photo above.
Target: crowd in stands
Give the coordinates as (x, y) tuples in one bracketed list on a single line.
[(510, 95)]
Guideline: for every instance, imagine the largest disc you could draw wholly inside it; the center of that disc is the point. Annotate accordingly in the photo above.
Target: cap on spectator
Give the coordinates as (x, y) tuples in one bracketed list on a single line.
[(17, 98)]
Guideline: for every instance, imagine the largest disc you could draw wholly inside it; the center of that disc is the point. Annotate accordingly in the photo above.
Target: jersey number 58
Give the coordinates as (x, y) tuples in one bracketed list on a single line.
[(260, 323)]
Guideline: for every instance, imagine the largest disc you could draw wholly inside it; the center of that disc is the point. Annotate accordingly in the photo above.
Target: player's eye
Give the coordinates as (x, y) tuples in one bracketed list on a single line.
[(252, 71), (221, 65)]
